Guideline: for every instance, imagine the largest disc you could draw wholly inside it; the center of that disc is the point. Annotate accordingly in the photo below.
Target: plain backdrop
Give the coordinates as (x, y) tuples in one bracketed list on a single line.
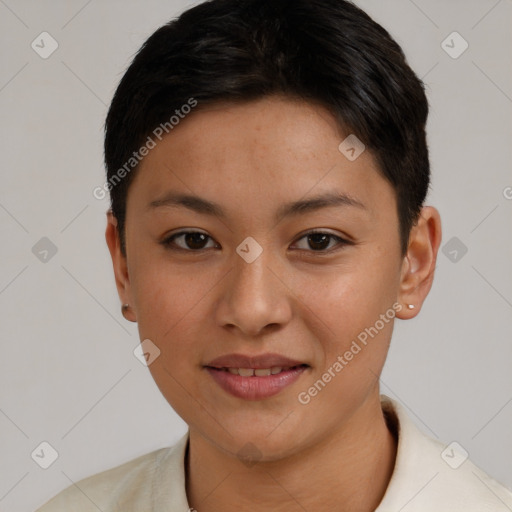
[(68, 373)]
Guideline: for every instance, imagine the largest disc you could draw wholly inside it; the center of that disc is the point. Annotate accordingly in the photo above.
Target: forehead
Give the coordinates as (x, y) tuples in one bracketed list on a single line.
[(257, 153)]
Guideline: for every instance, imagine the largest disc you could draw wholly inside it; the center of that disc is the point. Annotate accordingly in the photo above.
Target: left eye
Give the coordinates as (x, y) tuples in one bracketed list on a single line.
[(319, 241)]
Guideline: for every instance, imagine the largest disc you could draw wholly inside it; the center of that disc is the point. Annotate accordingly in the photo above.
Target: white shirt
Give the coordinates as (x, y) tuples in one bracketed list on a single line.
[(427, 477)]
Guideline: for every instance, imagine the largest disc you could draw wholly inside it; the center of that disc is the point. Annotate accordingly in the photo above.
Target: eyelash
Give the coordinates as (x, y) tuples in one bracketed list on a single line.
[(341, 242)]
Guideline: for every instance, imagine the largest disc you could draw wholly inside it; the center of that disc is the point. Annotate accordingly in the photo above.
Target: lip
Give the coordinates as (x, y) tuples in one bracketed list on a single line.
[(254, 387)]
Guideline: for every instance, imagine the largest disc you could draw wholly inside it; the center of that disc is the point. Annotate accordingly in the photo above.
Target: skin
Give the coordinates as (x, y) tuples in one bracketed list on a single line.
[(336, 452)]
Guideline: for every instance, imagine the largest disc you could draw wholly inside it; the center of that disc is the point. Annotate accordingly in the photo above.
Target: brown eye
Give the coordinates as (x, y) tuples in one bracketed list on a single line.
[(189, 240), (319, 241)]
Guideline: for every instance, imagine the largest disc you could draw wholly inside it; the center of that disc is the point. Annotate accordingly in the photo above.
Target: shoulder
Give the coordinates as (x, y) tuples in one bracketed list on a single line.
[(107, 490), (430, 475), (130, 487)]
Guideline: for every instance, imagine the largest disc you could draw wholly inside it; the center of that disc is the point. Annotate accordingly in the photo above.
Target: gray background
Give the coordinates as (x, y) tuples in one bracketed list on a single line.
[(68, 373)]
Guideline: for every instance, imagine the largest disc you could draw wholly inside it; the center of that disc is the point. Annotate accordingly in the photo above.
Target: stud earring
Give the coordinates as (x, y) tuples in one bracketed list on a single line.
[(410, 306), (124, 309)]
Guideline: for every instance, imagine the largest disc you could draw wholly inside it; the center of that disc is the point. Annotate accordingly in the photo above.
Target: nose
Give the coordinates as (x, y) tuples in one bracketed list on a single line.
[(254, 297)]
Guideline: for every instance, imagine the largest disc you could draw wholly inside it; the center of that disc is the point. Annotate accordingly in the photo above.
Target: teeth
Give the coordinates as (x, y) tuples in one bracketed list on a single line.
[(262, 372), (258, 372)]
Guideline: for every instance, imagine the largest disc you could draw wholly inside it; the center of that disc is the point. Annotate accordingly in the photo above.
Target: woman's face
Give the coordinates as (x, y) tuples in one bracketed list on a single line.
[(252, 283)]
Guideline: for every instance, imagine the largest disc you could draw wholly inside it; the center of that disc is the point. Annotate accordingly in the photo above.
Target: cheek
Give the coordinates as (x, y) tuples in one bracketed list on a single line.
[(355, 306), (170, 306), (167, 300), (350, 298), (357, 314)]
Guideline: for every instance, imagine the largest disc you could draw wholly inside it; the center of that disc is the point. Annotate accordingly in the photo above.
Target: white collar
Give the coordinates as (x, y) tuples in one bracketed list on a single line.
[(422, 479)]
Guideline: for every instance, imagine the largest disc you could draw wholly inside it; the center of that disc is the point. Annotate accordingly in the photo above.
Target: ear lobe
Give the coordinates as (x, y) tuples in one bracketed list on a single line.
[(119, 263), (420, 261)]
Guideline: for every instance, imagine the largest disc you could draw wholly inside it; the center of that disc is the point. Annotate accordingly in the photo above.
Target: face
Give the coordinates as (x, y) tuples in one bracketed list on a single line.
[(240, 278)]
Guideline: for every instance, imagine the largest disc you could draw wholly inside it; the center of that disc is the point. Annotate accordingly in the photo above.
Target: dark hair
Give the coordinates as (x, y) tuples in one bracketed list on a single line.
[(328, 52)]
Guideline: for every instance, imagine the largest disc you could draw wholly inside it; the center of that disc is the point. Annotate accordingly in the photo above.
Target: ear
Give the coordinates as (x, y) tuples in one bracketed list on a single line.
[(419, 263), (120, 265)]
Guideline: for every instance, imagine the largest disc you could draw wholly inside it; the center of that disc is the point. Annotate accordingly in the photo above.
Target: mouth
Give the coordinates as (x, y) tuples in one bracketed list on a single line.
[(255, 378), (258, 372)]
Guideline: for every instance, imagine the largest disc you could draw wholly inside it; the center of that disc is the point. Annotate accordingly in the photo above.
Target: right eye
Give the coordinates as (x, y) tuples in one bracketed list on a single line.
[(194, 241)]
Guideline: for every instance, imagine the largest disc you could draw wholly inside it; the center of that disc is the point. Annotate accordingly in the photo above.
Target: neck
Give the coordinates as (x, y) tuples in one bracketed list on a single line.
[(348, 471)]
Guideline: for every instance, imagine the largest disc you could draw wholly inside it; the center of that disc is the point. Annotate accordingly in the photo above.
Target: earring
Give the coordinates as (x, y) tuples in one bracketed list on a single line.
[(410, 306), (124, 309)]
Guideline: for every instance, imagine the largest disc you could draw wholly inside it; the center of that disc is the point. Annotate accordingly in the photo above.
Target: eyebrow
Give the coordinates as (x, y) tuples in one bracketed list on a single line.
[(203, 206)]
